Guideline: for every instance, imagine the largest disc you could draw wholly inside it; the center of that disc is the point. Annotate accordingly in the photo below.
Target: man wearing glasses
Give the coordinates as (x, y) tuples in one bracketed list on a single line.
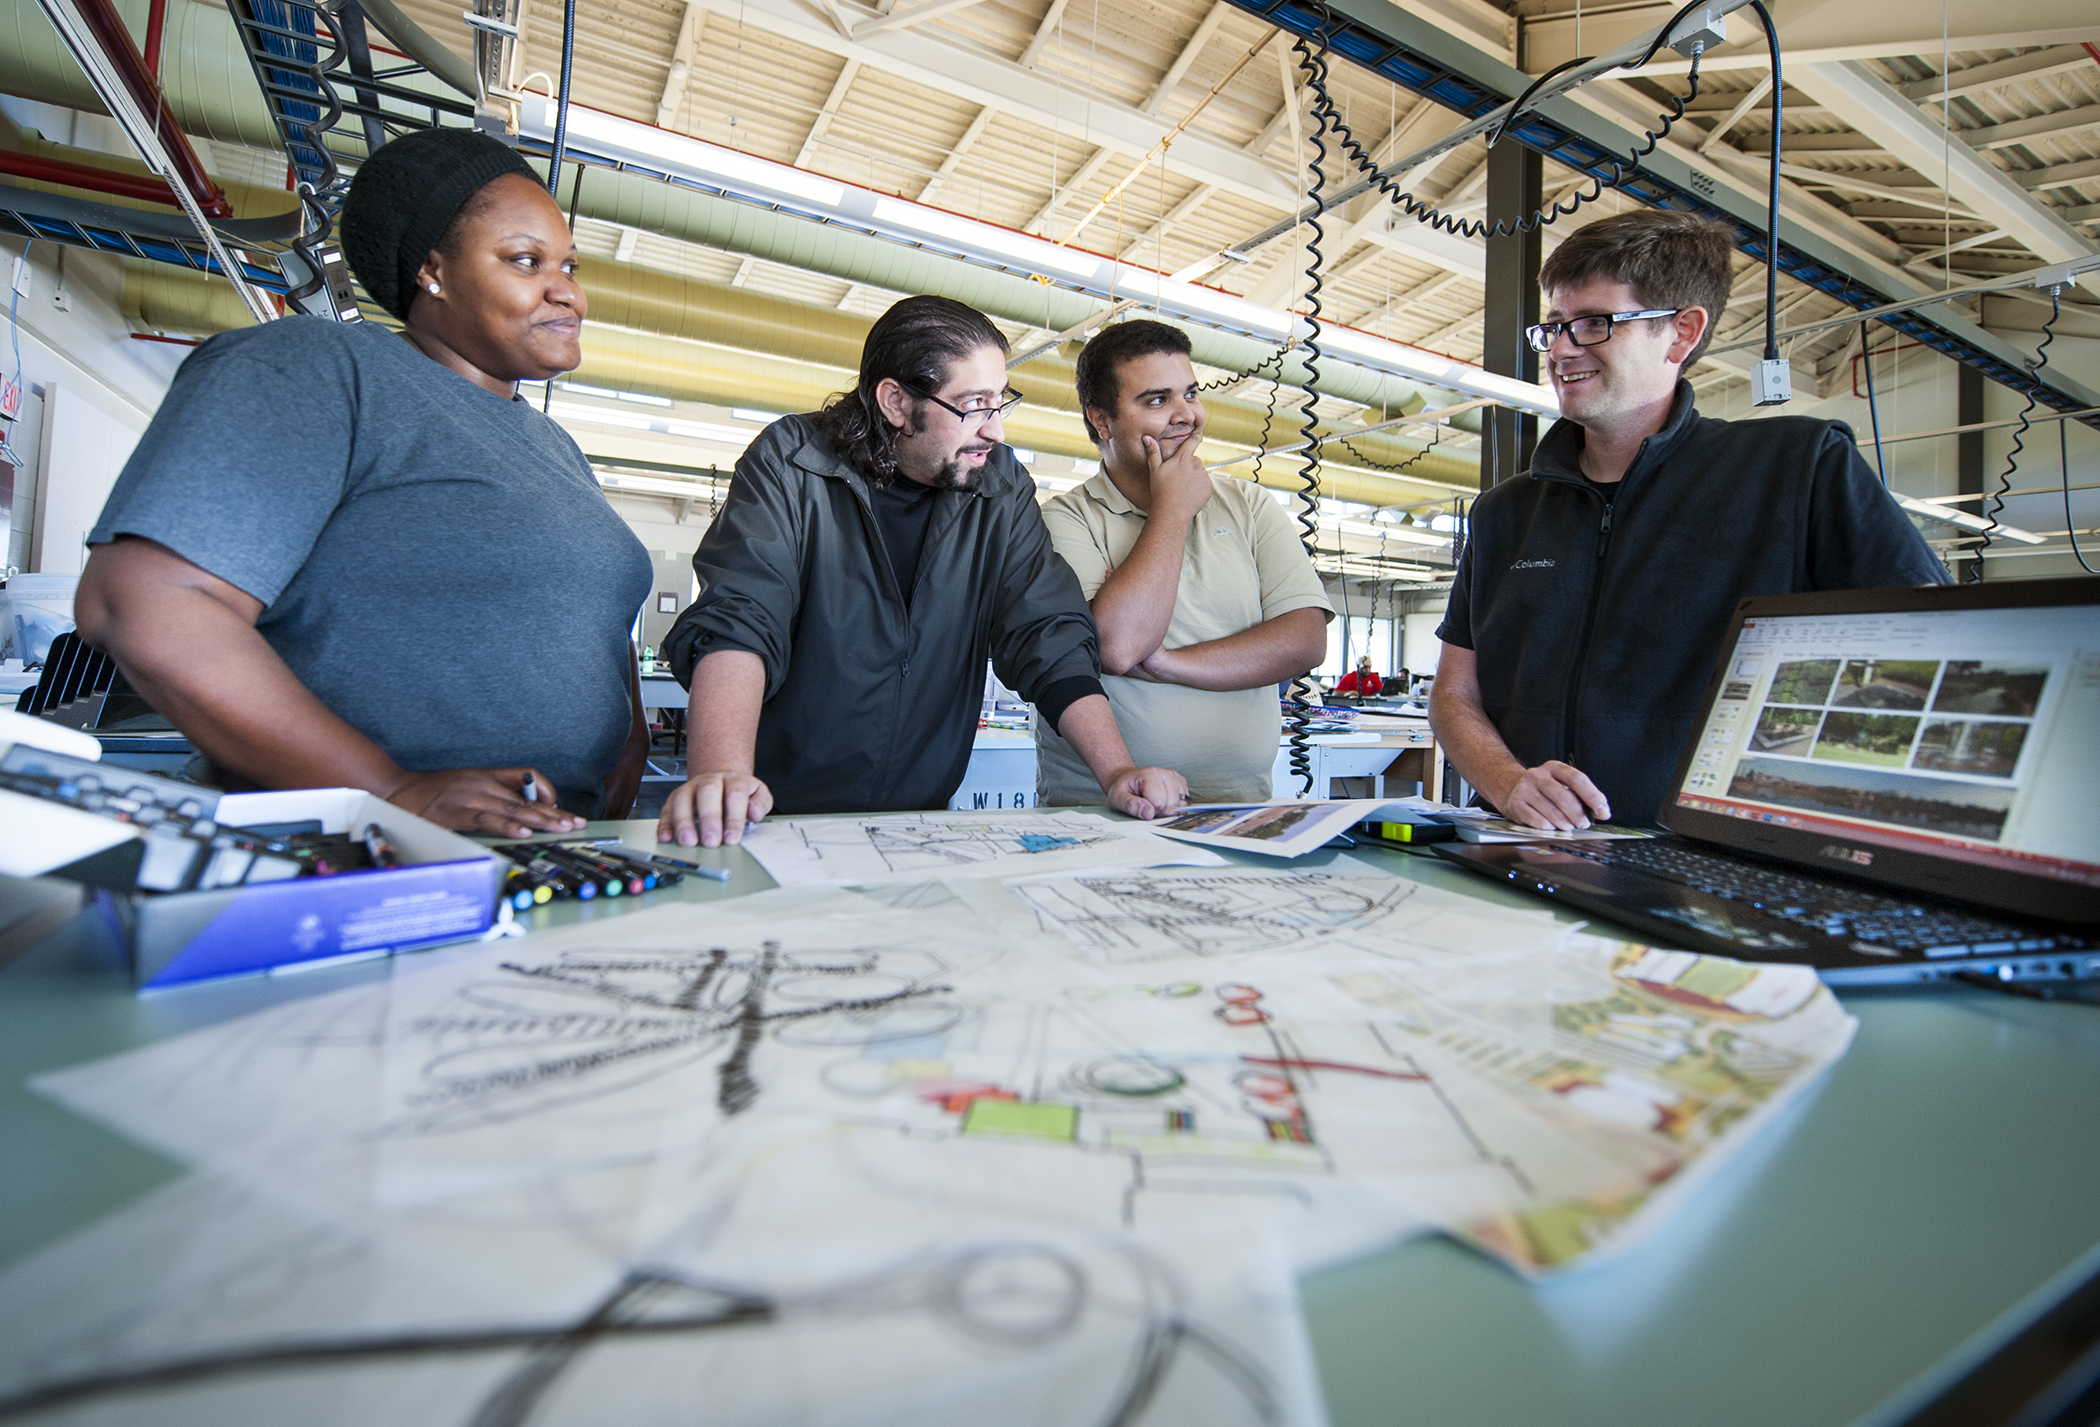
[(1581, 629), (868, 559)]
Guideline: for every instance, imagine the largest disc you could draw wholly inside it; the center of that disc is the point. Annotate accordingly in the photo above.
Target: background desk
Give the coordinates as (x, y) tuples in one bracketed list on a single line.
[(1903, 1220), (1002, 766)]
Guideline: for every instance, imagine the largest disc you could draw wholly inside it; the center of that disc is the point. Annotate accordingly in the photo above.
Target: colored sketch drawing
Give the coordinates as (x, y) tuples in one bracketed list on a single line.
[(976, 1173), (1150, 914), (913, 847), (1663, 1058)]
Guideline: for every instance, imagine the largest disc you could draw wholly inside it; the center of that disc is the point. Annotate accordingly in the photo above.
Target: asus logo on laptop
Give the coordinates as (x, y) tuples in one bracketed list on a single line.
[(1848, 854)]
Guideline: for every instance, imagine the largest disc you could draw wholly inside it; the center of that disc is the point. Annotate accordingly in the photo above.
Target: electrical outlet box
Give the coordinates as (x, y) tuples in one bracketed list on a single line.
[(1772, 384), (333, 299), (335, 273), (1704, 29)]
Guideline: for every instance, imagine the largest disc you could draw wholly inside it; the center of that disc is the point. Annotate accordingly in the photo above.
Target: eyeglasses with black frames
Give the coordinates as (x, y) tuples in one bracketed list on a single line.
[(1008, 400), (1588, 331)]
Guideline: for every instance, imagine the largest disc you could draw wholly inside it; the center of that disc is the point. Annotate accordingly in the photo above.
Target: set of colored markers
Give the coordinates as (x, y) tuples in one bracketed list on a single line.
[(547, 871)]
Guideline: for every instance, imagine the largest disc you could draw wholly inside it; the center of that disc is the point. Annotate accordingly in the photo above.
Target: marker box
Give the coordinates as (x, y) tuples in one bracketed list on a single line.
[(444, 890)]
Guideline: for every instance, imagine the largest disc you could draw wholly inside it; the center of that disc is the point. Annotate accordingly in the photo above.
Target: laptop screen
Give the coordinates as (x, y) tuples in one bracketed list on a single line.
[(1963, 734)]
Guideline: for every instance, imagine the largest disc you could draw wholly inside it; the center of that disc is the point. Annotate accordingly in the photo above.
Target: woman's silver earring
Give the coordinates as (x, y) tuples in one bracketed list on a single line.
[(433, 289)]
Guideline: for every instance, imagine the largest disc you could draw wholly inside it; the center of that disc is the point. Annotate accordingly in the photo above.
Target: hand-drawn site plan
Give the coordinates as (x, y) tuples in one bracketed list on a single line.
[(1049, 1149)]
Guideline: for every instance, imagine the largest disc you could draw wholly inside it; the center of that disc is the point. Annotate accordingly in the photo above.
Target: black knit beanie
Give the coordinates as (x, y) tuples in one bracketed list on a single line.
[(404, 198)]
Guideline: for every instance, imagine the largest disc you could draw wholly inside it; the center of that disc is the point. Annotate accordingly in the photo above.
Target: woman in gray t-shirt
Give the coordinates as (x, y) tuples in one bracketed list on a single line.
[(342, 558)]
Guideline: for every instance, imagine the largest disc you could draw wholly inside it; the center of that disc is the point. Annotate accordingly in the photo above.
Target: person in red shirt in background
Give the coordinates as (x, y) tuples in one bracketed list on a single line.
[(1363, 680)]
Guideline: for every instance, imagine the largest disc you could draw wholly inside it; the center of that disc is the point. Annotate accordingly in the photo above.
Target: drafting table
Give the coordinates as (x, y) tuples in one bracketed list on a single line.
[(1911, 1215)]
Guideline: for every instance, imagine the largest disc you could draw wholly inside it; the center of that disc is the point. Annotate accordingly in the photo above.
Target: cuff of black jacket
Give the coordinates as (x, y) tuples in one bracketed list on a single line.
[(1052, 702)]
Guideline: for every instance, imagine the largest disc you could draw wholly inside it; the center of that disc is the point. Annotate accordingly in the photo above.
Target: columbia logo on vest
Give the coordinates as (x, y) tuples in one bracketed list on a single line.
[(1532, 565)]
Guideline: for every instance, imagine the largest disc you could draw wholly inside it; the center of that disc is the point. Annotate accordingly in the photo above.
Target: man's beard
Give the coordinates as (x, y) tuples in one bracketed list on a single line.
[(954, 475)]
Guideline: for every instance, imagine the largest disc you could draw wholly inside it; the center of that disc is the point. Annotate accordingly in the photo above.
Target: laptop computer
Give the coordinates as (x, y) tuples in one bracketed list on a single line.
[(1887, 785)]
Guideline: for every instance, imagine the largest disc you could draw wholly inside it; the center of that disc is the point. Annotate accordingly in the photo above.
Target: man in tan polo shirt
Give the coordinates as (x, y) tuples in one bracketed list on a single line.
[(1203, 595)]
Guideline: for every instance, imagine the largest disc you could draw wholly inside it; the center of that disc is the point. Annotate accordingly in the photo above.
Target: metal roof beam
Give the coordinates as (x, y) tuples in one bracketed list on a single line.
[(1872, 106), (2059, 59), (1178, 71), (1403, 47), (957, 152), (848, 72), (2041, 126), (948, 65)]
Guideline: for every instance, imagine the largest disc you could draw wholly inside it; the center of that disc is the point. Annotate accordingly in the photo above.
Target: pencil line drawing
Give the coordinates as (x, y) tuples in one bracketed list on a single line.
[(916, 846), (1003, 1295), (1141, 915), (593, 1022)]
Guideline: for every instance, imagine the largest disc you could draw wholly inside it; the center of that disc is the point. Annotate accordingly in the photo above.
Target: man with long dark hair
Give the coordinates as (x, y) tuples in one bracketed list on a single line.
[(867, 561)]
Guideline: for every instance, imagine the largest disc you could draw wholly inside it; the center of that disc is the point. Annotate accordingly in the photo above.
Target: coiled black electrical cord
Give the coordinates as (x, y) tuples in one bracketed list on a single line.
[(561, 101), (2012, 457), (1259, 369), (1764, 17), (2063, 457), (1312, 62), (319, 201), (1505, 227), (1436, 437), (1620, 168), (1866, 359)]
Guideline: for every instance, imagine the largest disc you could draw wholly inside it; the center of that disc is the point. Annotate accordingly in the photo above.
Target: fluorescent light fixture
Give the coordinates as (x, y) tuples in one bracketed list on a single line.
[(1033, 253), (745, 413), (609, 136), (1026, 458), (598, 416), (608, 394), (656, 485), (625, 139), (1190, 298), (1366, 530), (1966, 521), (735, 436), (1086, 468)]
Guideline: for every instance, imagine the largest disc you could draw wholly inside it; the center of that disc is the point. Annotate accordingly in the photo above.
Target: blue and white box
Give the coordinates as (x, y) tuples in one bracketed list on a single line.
[(444, 890)]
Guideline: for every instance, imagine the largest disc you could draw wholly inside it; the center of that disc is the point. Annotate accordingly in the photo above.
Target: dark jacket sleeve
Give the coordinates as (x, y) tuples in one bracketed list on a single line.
[(750, 567), (1042, 631), (1858, 537)]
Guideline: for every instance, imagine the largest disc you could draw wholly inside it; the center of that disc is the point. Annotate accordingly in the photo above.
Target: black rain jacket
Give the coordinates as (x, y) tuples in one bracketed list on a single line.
[(1595, 624), (872, 705)]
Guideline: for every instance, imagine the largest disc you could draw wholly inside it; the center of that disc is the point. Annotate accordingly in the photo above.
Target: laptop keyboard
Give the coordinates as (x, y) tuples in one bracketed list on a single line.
[(1834, 910)]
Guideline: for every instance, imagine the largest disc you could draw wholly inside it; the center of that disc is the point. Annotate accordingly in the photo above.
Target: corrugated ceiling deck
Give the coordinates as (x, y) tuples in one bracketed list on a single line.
[(767, 94)]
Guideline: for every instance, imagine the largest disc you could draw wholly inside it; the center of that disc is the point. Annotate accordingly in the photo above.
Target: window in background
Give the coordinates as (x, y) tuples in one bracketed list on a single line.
[(1350, 637)]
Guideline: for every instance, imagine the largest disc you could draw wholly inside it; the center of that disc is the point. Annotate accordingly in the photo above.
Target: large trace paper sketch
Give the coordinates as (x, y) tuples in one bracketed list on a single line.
[(1043, 1152), (1144, 915), (915, 847)]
